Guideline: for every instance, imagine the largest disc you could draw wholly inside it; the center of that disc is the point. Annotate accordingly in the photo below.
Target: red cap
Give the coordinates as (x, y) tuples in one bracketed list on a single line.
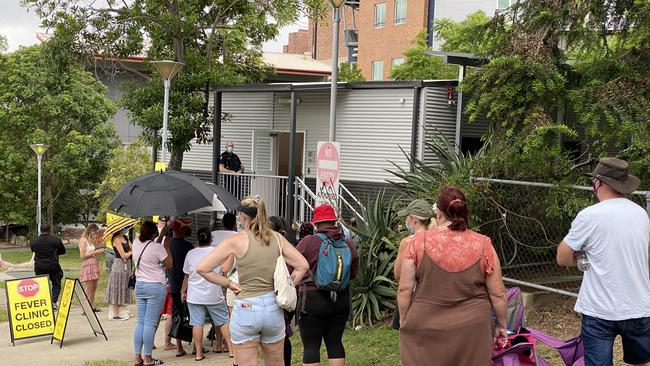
[(177, 224), (324, 213)]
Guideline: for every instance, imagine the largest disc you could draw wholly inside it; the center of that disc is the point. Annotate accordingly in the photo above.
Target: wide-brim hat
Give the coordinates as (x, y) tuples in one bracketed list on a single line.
[(418, 208), (117, 225), (324, 213), (614, 173)]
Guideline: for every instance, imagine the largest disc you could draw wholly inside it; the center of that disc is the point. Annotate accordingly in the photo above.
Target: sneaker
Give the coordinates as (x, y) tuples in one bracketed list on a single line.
[(55, 306), (121, 317)]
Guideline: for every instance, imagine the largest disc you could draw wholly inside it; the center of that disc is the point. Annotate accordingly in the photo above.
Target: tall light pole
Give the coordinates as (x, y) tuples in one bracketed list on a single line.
[(39, 149), (167, 69), (336, 14)]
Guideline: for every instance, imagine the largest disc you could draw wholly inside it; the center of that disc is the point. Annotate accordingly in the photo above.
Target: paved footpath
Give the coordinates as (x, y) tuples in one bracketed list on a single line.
[(81, 345)]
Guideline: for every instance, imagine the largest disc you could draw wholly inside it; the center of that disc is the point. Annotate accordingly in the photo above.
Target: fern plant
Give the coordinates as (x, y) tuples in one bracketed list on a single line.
[(373, 290)]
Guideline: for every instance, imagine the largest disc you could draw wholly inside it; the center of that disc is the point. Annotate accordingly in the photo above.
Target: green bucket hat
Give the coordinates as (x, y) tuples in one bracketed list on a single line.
[(419, 208)]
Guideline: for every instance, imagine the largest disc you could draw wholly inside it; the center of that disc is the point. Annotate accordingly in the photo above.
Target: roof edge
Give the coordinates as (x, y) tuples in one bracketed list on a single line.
[(311, 86)]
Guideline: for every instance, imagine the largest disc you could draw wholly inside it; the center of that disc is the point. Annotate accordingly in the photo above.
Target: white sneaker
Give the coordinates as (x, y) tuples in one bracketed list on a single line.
[(121, 317)]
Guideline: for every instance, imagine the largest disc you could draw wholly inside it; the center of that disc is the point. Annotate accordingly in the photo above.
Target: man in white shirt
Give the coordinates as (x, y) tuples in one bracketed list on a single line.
[(614, 297), (229, 228)]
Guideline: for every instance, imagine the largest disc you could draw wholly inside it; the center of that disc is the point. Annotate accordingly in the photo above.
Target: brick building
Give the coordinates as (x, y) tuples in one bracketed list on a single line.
[(385, 29)]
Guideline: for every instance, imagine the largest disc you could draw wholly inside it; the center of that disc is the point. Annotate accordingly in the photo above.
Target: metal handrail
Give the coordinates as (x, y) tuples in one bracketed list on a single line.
[(350, 194), (255, 175)]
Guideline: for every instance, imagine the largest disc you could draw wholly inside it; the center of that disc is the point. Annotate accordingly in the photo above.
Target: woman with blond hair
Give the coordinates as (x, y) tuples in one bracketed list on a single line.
[(89, 274), (256, 319)]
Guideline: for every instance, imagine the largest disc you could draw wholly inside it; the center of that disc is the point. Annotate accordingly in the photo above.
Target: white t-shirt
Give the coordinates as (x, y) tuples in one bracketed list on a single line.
[(219, 235), (199, 290), (615, 234)]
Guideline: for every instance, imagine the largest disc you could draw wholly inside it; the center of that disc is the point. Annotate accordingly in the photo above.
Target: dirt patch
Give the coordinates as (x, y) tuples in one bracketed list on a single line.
[(554, 315)]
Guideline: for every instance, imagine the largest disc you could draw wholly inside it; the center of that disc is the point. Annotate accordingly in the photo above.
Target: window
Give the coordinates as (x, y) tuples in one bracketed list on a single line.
[(377, 70), (400, 11), (505, 4), (380, 15), (397, 62)]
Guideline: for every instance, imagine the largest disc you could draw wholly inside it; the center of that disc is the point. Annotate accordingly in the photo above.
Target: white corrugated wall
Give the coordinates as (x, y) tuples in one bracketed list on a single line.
[(439, 118), (248, 111)]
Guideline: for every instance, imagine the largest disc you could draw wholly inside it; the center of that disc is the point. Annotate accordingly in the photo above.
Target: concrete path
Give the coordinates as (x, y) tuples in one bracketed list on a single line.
[(81, 345)]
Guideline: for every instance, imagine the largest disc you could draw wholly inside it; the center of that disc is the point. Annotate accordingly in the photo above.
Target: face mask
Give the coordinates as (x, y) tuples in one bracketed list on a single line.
[(409, 228), (125, 231), (230, 149)]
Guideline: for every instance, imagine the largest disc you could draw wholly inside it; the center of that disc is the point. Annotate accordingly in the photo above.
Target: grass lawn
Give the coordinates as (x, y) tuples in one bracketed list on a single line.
[(71, 264), (367, 346)]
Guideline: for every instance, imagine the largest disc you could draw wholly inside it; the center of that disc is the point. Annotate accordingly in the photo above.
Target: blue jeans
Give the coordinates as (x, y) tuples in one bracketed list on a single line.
[(598, 336), (149, 300)]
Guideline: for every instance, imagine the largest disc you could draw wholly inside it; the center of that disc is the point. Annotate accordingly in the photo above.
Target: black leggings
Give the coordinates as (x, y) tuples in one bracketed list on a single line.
[(323, 320)]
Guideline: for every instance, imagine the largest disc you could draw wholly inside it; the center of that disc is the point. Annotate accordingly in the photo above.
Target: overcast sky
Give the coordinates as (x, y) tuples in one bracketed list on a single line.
[(20, 27)]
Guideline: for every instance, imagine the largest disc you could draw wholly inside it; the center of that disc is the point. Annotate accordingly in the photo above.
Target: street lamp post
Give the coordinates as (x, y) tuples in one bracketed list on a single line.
[(336, 12), (167, 69), (39, 149)]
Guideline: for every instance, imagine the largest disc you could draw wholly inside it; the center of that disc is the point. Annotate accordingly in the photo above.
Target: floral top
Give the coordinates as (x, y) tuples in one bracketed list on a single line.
[(453, 251)]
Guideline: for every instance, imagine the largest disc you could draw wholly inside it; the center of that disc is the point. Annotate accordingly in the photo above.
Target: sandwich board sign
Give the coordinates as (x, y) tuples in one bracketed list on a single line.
[(29, 306), (72, 287), (328, 159)]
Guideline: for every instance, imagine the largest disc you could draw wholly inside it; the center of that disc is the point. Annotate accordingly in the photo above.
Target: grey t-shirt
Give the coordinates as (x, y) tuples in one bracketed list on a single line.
[(615, 234)]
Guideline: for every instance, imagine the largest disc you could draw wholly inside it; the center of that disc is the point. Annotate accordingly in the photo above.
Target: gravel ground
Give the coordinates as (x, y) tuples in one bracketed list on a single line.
[(554, 315)]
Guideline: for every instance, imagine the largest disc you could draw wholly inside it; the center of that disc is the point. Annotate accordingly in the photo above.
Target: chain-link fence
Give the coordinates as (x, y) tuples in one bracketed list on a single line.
[(526, 221)]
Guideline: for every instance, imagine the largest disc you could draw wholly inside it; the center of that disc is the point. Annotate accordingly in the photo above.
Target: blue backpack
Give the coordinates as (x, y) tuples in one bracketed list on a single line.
[(334, 263)]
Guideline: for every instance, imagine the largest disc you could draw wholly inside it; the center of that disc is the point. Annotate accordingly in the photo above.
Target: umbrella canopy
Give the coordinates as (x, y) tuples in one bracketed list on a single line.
[(117, 225), (162, 193), (222, 200)]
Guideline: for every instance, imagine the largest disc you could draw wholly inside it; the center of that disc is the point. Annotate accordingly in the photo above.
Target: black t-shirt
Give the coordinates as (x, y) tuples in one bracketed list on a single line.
[(230, 161), (179, 249), (47, 248)]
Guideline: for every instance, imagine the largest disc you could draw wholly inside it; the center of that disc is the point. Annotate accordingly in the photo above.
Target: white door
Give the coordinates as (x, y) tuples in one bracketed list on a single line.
[(263, 182)]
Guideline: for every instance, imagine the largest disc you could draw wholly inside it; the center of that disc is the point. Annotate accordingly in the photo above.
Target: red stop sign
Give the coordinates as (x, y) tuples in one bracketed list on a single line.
[(327, 160), (28, 288)]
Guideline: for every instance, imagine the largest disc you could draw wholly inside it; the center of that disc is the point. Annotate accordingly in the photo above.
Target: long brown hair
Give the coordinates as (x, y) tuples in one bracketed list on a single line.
[(260, 225), (89, 230)]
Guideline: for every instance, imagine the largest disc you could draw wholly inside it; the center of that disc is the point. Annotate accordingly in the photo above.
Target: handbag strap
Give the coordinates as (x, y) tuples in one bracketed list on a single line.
[(140, 257), (279, 242)]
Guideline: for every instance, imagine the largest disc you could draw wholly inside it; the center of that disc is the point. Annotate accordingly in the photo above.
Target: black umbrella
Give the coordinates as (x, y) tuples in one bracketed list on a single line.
[(222, 201), (162, 193)]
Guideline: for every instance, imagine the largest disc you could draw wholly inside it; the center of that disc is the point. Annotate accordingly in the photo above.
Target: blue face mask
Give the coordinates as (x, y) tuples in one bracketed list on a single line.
[(230, 149), (409, 229)]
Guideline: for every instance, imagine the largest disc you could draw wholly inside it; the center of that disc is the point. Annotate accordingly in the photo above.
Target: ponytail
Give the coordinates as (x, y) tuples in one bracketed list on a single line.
[(451, 201), (260, 225)]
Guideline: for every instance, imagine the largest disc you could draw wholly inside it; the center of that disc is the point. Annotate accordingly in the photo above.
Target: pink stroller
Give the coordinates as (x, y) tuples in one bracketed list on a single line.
[(522, 349)]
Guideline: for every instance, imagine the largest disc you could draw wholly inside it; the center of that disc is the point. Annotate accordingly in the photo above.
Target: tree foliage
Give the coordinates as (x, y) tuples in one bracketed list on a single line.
[(3, 44), (218, 40), (591, 56), (419, 66), (351, 74), (47, 97), (127, 163), (463, 36)]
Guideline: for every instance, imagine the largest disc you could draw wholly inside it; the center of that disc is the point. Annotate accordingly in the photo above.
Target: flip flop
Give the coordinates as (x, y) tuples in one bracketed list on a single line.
[(155, 363), (181, 354), (205, 350), (200, 359)]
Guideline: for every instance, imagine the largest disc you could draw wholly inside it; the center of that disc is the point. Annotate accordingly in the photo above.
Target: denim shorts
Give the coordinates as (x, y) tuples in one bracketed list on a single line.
[(257, 317), (598, 336), (218, 313)]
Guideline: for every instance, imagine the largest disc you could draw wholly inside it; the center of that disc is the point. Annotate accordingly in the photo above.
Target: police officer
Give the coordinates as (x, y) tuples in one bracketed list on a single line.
[(229, 161)]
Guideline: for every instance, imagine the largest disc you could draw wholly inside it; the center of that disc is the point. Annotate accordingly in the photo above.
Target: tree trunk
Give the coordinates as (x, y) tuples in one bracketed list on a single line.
[(176, 160)]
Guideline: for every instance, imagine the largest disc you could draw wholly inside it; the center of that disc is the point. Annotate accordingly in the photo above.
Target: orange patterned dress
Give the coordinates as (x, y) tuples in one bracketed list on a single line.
[(450, 317)]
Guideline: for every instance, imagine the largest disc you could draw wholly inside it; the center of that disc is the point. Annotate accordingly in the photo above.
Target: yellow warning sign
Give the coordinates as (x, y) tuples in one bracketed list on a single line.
[(160, 166), (64, 309), (29, 305)]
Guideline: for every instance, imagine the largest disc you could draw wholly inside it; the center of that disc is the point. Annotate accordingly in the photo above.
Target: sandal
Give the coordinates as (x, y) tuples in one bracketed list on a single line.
[(181, 354), (155, 363), (200, 359), (205, 350)]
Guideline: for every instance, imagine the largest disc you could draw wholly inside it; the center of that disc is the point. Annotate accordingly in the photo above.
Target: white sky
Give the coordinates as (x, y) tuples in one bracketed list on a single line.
[(20, 27)]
